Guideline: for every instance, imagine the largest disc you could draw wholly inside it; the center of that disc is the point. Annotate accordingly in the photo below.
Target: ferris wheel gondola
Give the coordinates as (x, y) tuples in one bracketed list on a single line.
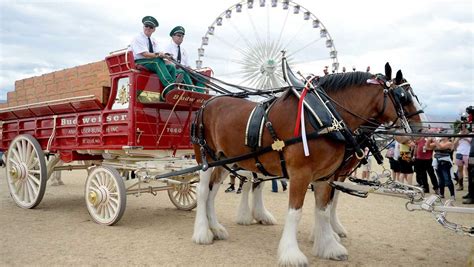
[(244, 43)]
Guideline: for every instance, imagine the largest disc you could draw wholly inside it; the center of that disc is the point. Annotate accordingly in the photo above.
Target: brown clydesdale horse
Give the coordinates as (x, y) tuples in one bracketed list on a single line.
[(224, 121)]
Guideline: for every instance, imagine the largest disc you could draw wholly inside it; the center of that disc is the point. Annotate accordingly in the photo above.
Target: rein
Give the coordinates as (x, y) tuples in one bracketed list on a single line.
[(205, 165)]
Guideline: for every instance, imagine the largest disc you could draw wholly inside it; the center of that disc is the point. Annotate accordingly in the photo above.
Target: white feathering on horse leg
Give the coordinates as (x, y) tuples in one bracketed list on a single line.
[(314, 228), (289, 254), (244, 214), (260, 213), (334, 219), (218, 230), (202, 233), (325, 243)]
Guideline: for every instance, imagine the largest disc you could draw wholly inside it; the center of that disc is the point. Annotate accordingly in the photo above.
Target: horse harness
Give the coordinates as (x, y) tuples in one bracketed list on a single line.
[(323, 122), (321, 112)]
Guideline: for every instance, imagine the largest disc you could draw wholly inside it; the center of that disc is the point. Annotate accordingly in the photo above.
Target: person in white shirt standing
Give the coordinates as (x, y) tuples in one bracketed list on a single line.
[(463, 146), (175, 49)]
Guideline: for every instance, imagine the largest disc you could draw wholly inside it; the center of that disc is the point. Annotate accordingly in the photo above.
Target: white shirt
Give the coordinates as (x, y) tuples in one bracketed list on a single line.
[(396, 151), (140, 44), (172, 49), (464, 146)]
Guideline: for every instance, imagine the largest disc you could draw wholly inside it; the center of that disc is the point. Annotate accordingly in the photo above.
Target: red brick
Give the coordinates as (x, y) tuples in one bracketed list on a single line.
[(38, 80), (67, 95), (71, 73), (59, 76), (28, 83), (74, 85), (12, 103), (19, 85), (40, 89), (52, 89), (48, 78), (81, 93), (11, 96), (20, 94)]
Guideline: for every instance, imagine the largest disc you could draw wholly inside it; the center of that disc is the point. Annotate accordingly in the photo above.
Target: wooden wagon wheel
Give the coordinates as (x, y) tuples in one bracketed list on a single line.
[(26, 171), (184, 196), (105, 195)]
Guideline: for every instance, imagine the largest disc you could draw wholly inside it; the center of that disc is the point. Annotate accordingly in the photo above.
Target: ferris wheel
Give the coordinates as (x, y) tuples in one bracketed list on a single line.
[(243, 44)]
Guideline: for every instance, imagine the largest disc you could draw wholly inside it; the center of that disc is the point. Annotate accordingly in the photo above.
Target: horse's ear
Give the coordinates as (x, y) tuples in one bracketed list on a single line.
[(399, 77), (388, 71)]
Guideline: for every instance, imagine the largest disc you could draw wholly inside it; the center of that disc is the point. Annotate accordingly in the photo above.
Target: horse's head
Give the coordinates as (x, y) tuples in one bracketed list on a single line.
[(405, 109)]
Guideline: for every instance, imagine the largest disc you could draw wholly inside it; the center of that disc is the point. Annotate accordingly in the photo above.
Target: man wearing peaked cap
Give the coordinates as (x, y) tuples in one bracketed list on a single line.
[(176, 30), (150, 21), (148, 53), (175, 49)]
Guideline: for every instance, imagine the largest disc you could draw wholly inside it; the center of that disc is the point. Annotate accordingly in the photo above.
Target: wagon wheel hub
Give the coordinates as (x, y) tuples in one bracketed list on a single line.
[(14, 173), (19, 172), (98, 196)]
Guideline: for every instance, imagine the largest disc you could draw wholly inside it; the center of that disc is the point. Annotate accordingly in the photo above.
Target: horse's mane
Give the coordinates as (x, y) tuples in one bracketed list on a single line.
[(340, 81)]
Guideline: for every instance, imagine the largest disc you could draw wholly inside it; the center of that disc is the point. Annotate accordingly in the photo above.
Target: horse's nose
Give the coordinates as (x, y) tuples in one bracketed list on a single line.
[(417, 127)]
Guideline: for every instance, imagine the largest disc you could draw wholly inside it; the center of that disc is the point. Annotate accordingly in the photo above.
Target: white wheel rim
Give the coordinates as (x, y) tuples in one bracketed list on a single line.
[(24, 172), (248, 53), (102, 196), (184, 196)]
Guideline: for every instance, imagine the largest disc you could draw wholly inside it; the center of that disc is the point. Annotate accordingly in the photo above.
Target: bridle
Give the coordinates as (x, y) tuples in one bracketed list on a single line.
[(401, 96)]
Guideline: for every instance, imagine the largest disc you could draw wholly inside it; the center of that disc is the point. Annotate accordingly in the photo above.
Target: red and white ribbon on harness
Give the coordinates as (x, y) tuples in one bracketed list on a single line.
[(300, 118)]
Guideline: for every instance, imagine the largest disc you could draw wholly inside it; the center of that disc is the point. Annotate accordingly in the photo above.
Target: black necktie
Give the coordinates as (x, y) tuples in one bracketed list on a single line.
[(150, 45), (179, 54)]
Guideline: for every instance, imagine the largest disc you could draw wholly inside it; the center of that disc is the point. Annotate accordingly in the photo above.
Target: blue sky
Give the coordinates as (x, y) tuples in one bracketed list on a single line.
[(432, 41)]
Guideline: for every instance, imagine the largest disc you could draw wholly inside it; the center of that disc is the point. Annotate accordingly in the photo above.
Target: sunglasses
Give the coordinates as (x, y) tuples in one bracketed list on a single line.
[(150, 27)]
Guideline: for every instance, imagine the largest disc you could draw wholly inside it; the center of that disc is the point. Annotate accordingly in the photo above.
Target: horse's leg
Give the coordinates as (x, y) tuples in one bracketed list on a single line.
[(334, 219), (217, 229), (202, 233), (244, 215), (326, 244), (288, 251), (320, 189), (260, 213)]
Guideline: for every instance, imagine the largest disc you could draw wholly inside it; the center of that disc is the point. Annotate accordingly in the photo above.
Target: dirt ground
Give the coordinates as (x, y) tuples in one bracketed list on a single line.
[(153, 232)]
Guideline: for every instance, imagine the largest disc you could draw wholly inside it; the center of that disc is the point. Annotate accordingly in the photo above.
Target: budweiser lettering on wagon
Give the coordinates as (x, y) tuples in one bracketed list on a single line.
[(94, 119)]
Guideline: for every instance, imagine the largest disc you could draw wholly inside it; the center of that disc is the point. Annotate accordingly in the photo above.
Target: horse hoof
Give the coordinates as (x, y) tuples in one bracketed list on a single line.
[(265, 219), (342, 235), (203, 238), (340, 258), (293, 258), (245, 221), (219, 233), (244, 218)]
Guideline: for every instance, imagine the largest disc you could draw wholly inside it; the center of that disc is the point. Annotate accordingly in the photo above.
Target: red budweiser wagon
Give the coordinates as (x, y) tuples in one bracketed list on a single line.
[(124, 138)]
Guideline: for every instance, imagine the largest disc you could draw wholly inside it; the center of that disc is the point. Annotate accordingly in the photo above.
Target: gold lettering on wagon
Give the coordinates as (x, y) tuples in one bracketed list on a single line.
[(188, 99)]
